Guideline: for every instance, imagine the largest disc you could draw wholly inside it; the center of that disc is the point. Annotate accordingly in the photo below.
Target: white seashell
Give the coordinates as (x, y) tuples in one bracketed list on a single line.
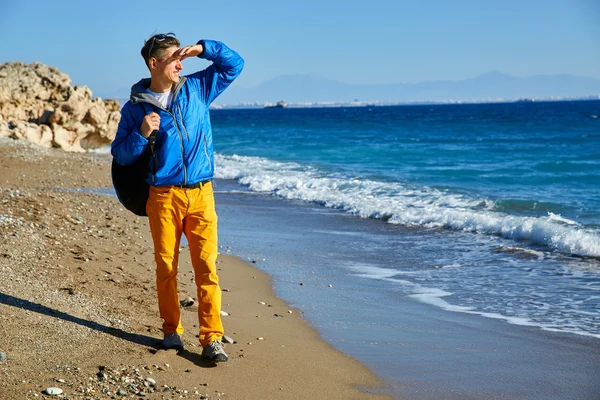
[(53, 391)]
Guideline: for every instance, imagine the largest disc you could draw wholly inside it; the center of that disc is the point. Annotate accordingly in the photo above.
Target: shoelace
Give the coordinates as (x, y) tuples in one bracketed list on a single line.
[(216, 346)]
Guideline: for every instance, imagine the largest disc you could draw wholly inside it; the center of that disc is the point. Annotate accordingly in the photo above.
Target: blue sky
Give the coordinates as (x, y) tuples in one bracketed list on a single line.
[(97, 43)]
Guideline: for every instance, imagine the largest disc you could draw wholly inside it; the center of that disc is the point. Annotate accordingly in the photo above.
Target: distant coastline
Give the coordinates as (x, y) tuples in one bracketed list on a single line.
[(324, 104), (311, 90), (259, 105)]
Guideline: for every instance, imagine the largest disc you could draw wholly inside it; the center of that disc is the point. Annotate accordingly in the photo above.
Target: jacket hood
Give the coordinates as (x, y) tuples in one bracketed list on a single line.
[(139, 91)]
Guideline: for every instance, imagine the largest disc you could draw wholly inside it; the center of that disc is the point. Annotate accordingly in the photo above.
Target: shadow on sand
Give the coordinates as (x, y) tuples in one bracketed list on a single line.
[(143, 340), (152, 343), (197, 359)]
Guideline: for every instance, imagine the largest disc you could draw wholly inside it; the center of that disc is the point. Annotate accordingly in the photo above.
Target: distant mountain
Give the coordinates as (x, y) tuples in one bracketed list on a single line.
[(311, 88), (492, 85)]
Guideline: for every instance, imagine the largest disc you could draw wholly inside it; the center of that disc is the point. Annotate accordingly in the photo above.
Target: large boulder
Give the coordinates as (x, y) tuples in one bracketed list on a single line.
[(38, 104)]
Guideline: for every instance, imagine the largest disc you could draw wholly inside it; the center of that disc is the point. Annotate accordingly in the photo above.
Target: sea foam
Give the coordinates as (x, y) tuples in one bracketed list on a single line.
[(440, 298), (405, 204)]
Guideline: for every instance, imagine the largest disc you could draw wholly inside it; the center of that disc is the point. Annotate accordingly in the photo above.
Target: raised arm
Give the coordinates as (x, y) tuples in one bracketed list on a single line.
[(227, 65)]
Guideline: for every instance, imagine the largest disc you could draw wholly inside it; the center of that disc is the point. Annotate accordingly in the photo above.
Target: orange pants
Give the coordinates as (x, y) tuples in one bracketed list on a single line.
[(171, 212)]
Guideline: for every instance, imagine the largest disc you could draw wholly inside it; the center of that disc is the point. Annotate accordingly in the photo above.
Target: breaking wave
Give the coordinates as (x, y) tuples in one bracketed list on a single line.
[(407, 204)]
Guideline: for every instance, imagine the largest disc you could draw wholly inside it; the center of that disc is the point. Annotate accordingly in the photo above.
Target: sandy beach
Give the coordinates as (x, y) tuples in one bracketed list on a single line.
[(78, 306)]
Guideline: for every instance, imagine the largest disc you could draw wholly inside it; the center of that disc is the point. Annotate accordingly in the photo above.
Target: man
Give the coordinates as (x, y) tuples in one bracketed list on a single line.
[(173, 110)]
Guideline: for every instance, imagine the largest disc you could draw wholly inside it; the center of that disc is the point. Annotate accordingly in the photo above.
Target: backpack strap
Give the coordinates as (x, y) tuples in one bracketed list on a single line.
[(151, 139)]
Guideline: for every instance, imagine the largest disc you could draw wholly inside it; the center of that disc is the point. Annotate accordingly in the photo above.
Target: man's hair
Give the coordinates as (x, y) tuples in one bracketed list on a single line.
[(156, 45)]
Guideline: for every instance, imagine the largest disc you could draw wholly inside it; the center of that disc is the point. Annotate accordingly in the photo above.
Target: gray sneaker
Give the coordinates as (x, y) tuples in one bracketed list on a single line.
[(214, 352), (173, 341)]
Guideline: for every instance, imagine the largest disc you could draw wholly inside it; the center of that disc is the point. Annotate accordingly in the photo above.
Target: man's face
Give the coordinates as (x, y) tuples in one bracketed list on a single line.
[(169, 66)]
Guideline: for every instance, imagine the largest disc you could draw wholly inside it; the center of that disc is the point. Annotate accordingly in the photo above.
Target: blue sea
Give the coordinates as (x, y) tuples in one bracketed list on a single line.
[(407, 233), (522, 177), (524, 173)]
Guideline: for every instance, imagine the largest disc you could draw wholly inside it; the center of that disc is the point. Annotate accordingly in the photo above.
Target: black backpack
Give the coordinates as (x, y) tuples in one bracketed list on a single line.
[(130, 183)]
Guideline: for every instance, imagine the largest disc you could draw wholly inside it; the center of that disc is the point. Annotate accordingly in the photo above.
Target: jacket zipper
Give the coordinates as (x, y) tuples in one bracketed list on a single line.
[(182, 147), (182, 124), (175, 93)]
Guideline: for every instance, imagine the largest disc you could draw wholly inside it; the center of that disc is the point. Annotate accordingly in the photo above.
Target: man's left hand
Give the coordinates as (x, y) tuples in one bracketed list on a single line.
[(189, 51)]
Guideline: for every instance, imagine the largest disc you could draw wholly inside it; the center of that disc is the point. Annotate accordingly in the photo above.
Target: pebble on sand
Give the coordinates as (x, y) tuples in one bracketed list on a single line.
[(224, 313), (2, 356), (187, 302), (53, 391), (227, 339)]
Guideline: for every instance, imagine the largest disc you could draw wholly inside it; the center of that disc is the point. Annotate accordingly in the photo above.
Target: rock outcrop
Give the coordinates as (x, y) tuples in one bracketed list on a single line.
[(38, 104)]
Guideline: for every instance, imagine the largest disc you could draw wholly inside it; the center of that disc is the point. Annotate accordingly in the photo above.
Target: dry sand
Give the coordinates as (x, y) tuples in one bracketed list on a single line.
[(78, 305)]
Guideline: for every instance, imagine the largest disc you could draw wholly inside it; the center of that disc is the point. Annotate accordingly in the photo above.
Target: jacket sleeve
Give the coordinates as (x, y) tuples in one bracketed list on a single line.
[(129, 143), (227, 65)]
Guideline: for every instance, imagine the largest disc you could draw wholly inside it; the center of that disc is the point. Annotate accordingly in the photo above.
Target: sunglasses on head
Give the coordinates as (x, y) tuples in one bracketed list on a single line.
[(159, 37)]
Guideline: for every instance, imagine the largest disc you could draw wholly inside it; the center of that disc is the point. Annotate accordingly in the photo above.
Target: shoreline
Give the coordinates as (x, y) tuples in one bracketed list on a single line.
[(421, 350), (78, 305)]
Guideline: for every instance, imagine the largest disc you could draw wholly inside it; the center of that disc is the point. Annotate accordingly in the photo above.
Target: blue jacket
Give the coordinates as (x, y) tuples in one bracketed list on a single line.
[(184, 146)]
